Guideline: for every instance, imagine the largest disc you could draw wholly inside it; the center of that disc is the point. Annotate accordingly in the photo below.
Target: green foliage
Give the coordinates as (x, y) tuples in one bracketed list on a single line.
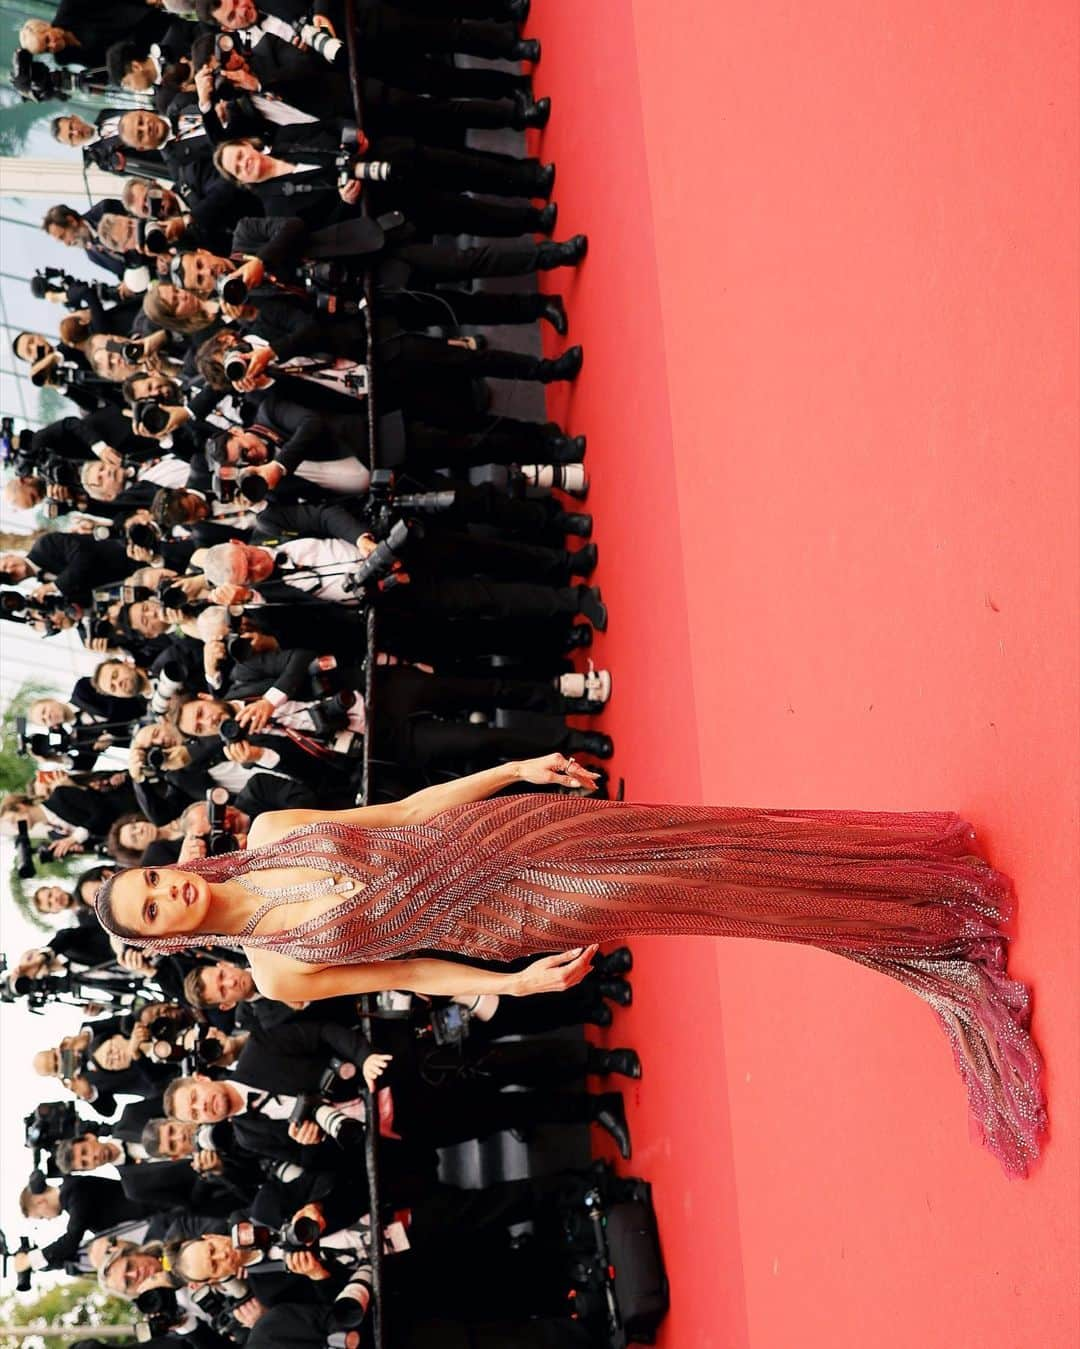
[(16, 770), (75, 1302)]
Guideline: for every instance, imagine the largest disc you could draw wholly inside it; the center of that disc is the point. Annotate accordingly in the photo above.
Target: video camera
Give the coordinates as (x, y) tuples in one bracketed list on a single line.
[(19, 608), (36, 82), (50, 1123), (46, 279)]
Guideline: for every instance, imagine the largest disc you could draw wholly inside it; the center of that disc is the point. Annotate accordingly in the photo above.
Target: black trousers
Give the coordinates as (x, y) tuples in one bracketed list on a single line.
[(403, 691), (450, 307), (410, 357), (430, 263), (473, 601), (446, 80), (386, 32), (417, 170), (444, 554)]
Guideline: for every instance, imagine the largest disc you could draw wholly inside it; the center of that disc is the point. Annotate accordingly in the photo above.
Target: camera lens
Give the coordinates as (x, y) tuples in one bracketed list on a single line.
[(232, 290), (231, 731), (254, 487)]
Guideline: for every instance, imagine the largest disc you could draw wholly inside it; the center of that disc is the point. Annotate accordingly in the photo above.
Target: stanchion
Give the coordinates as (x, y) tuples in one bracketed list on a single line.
[(371, 1144)]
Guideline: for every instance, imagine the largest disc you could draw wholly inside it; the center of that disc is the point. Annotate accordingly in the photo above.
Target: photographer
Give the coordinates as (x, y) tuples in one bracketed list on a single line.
[(81, 31), (100, 143), (93, 1205), (79, 230)]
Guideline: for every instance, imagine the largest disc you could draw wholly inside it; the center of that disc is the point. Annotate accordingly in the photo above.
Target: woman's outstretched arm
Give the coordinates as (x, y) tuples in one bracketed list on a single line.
[(290, 980), (423, 805)]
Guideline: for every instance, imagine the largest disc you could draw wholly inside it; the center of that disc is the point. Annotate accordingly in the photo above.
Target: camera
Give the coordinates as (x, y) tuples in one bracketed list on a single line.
[(236, 359), (331, 714), (229, 481), (302, 1234), (150, 414), (151, 237), (16, 449), (333, 1122), (49, 1123), (220, 839), (162, 1311), (231, 290), (320, 41), (231, 732), (169, 683), (131, 351), (378, 565), (171, 1041), (52, 743), (333, 286), (38, 83), (218, 1303), (24, 853)]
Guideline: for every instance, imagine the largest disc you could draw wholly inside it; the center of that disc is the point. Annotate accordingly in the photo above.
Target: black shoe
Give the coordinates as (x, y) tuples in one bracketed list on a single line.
[(619, 961), (518, 10), (530, 112), (615, 990), (575, 524), (593, 607), (564, 450), (579, 637), (567, 254), (601, 1062), (610, 1114), (544, 181), (546, 217), (554, 312), (583, 562), (566, 366), (526, 49), (600, 746), (599, 1015)]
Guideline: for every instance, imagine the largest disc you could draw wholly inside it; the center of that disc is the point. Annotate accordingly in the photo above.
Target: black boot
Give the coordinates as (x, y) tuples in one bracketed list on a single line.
[(518, 10), (567, 366), (526, 49), (600, 747), (599, 1015), (578, 638), (554, 312), (574, 523), (617, 990), (544, 181), (609, 1113), (601, 1062), (565, 450), (583, 562), (591, 604), (545, 220), (611, 963), (530, 112), (567, 254)]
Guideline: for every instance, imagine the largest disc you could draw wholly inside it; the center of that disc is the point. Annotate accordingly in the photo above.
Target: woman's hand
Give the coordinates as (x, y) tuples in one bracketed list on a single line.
[(373, 1068), (552, 974), (557, 768)]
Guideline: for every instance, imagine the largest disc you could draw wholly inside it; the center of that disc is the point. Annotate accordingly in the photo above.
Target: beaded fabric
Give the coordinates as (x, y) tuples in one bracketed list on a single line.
[(903, 894)]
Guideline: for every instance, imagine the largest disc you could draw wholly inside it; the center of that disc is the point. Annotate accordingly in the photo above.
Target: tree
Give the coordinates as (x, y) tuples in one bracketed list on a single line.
[(75, 1302), (17, 770)]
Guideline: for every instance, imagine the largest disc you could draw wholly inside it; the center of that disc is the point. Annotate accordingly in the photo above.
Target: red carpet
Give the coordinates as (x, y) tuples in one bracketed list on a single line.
[(830, 389)]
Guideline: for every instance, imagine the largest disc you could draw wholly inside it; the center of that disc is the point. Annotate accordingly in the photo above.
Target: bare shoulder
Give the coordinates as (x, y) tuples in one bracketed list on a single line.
[(272, 825), (275, 975)]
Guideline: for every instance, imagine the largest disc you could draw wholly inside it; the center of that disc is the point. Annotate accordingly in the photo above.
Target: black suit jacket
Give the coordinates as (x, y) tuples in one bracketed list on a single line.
[(79, 563), (84, 808), (93, 1204), (98, 26)]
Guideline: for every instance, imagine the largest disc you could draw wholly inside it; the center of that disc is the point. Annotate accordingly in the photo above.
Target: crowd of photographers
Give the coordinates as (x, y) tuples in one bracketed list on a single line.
[(277, 423)]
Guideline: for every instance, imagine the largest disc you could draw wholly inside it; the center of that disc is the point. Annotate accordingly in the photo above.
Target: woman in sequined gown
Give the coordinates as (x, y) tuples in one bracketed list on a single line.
[(381, 897)]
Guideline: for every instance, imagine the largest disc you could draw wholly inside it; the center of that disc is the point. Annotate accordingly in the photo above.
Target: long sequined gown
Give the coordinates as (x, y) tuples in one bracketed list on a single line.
[(901, 893)]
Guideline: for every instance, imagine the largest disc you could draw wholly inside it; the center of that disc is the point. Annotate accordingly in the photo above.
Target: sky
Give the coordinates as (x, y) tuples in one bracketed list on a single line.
[(56, 662)]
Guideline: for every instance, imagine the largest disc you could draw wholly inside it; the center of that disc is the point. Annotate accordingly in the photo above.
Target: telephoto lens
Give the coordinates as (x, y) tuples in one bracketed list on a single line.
[(231, 289), (253, 487), (231, 731), (152, 237), (236, 367), (150, 415)]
